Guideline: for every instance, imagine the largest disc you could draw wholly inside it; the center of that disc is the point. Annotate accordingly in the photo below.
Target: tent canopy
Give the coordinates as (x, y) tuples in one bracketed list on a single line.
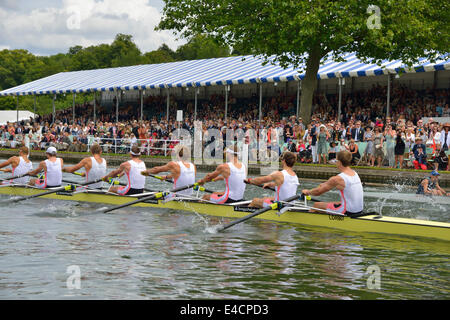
[(209, 72), (11, 116)]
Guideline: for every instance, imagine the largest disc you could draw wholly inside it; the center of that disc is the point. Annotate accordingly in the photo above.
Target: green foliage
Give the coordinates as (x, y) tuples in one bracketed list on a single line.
[(301, 33), (20, 66)]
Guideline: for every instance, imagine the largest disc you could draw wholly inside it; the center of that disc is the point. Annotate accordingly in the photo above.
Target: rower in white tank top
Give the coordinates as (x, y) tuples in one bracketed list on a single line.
[(97, 171), (136, 180), (53, 175), (21, 169), (288, 188), (352, 197), (235, 182), (187, 177)]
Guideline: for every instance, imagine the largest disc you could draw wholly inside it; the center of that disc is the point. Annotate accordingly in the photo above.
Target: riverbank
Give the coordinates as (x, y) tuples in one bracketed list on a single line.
[(368, 175)]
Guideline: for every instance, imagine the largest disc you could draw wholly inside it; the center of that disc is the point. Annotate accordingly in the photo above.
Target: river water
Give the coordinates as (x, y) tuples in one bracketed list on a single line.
[(140, 253)]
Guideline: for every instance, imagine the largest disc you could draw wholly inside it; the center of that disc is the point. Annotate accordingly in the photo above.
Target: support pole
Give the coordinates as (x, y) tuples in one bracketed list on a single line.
[(260, 103), (73, 107), (54, 108), (117, 106), (17, 110), (95, 108), (226, 103), (299, 87), (195, 104), (34, 95), (388, 102), (168, 104), (142, 104), (340, 100)]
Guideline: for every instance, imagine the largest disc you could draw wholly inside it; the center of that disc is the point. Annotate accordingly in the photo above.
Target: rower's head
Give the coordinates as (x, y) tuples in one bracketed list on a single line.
[(135, 152), (288, 158), (181, 153), (96, 149), (344, 158), (434, 175), (231, 153), (51, 152), (23, 151)]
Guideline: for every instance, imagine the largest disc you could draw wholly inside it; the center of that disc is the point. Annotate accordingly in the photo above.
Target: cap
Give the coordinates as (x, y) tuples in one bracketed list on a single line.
[(435, 173), (51, 150)]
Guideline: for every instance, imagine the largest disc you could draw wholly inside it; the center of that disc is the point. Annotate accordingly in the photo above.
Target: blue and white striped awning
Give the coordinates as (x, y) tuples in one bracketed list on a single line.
[(209, 72)]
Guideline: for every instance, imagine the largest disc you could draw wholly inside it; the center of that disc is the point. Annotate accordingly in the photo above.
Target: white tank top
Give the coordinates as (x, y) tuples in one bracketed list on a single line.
[(187, 177), (288, 188), (135, 179), (97, 171), (235, 182), (21, 169), (352, 196), (53, 176)]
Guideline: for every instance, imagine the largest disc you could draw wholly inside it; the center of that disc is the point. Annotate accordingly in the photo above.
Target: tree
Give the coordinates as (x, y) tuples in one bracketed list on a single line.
[(202, 47), (304, 32)]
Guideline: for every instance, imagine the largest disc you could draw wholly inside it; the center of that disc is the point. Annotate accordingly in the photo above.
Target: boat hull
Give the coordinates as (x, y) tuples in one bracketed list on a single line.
[(369, 223)]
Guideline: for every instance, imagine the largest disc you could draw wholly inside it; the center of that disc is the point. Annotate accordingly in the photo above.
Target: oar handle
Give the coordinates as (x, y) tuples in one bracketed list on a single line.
[(153, 196), (16, 177), (302, 197), (273, 206), (197, 187)]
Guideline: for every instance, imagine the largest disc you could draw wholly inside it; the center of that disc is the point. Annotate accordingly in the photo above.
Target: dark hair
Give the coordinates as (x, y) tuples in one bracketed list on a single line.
[(345, 157), (289, 158), (96, 149)]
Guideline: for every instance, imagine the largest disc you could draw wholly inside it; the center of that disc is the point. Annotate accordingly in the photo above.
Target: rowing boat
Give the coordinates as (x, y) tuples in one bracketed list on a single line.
[(296, 214), (412, 197)]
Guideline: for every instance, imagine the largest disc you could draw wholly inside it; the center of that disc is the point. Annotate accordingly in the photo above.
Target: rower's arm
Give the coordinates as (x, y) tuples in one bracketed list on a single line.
[(165, 168), (333, 182), (425, 187), (74, 168), (40, 167), (272, 180), (7, 162), (212, 175), (117, 172)]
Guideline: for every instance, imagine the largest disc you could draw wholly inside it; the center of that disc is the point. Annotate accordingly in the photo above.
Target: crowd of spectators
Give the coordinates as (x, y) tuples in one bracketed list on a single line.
[(400, 140)]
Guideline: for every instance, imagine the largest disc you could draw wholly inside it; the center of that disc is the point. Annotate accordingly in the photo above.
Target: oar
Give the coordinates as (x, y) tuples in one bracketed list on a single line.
[(16, 177), (201, 188), (65, 188), (153, 196), (115, 182), (274, 206), (273, 189)]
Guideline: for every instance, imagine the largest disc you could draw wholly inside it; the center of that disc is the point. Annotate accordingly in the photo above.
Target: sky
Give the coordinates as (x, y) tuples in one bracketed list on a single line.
[(46, 27)]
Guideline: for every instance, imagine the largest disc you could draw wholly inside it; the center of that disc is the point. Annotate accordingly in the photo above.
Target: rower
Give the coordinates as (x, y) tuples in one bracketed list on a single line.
[(132, 169), (349, 185), (285, 182), (95, 167), (182, 171), (430, 186), (52, 168), (234, 173), (19, 166)]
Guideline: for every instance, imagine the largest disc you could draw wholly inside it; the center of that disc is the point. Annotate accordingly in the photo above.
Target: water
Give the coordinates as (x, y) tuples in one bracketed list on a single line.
[(138, 253)]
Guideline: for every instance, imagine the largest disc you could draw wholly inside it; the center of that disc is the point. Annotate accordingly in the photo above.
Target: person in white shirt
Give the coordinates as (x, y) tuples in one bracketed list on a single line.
[(95, 167), (285, 182), (19, 166), (132, 169), (234, 174), (347, 183), (52, 168), (445, 137), (182, 170)]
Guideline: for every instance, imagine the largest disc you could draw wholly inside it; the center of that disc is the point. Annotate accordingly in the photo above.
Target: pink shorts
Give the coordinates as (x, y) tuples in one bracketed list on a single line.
[(333, 207)]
